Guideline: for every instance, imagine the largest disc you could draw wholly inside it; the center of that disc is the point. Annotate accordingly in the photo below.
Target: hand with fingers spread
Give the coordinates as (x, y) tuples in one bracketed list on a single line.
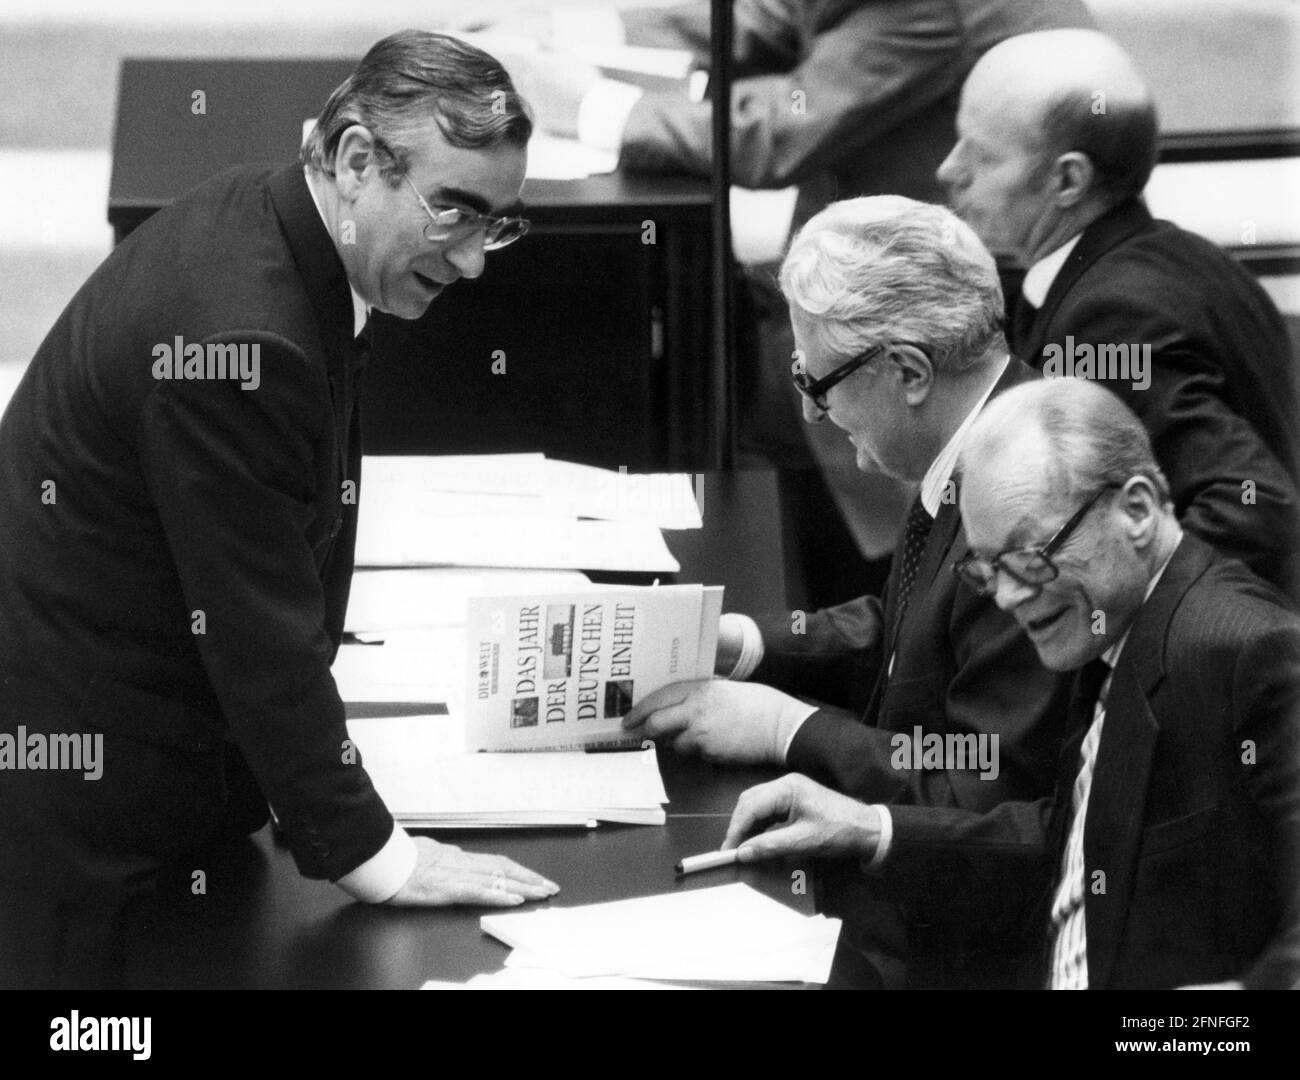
[(445, 875), (735, 722), (801, 817)]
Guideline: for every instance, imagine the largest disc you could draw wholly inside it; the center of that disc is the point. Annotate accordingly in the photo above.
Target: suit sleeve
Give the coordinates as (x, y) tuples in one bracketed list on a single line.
[(832, 655), (765, 37), (232, 474), (995, 688), (1227, 486), (1266, 688), (862, 77)]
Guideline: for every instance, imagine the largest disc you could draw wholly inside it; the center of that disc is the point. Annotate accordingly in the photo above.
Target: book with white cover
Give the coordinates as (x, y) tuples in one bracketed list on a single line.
[(559, 671)]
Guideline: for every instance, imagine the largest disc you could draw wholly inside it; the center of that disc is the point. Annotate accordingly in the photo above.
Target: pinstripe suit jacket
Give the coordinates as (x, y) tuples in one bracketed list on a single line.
[(1192, 839)]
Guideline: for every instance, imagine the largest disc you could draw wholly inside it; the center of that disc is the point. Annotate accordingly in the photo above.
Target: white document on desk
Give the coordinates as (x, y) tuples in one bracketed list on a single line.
[(418, 598), (400, 534), (419, 767), (731, 933), (416, 666)]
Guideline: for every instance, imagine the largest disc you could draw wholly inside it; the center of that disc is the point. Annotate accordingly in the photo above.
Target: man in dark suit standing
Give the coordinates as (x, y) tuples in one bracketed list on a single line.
[(1056, 140), (1170, 852), (178, 499), (896, 310)]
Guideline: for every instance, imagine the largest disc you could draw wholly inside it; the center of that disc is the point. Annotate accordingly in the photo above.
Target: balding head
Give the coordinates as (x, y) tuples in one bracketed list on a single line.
[(1062, 466), (1065, 118)]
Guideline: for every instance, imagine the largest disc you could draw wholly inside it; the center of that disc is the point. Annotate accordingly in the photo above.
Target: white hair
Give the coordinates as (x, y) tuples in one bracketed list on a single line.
[(887, 268)]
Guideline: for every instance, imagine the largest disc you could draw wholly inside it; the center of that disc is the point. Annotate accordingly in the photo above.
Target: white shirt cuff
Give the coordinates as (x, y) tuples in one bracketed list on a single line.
[(751, 644), (579, 24), (794, 730), (603, 114), (886, 836), (380, 876)]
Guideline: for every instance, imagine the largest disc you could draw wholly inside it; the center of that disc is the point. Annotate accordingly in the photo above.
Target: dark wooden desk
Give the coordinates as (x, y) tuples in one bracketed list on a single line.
[(261, 926), (605, 336)]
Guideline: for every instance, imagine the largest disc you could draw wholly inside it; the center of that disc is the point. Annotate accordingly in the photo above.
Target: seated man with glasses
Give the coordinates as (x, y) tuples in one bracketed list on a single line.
[(1169, 853), (897, 314), (176, 546)]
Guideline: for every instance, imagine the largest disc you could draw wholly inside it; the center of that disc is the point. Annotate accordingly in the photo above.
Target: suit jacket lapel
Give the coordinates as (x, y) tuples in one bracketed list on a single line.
[(318, 263), (1112, 831), (1097, 239), (1116, 805)]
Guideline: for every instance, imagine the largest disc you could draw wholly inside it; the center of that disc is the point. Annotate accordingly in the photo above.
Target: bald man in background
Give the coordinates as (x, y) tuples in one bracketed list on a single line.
[(1056, 141)]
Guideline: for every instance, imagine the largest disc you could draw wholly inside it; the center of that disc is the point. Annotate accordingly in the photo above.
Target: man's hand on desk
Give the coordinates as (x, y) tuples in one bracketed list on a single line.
[(734, 722), (445, 875), (801, 818)]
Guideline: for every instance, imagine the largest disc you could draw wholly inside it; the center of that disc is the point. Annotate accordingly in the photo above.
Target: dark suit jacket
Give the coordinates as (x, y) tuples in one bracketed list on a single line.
[(1194, 812), (1221, 407), (174, 498), (960, 666), (879, 82)]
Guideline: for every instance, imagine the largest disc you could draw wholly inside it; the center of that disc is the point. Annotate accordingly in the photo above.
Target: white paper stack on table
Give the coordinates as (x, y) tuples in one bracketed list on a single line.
[(423, 773), (731, 933), (518, 510)]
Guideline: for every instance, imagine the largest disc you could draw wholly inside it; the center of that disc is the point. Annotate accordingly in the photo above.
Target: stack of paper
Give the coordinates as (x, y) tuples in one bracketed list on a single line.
[(518, 510), (419, 767), (731, 933)]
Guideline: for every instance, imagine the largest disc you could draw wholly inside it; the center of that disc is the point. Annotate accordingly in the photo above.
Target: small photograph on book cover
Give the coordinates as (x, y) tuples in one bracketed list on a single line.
[(618, 698), (523, 712), (558, 661)]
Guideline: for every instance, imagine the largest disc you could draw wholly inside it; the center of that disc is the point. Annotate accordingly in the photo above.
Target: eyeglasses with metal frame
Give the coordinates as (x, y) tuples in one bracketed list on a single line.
[(448, 221), (1031, 567)]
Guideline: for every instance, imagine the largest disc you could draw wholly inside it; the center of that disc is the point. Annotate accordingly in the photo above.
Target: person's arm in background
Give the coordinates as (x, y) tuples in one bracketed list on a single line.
[(232, 473), (856, 79)]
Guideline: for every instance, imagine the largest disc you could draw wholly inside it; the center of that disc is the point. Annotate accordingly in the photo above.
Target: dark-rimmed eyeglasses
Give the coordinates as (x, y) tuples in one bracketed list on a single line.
[(1031, 567), (815, 390), (451, 222)]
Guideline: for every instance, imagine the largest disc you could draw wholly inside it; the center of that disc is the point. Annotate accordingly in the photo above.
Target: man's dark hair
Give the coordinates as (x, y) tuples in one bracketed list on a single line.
[(409, 78), (1118, 136)]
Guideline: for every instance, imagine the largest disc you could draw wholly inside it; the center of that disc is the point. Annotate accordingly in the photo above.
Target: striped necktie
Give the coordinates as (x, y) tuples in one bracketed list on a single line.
[(1068, 936)]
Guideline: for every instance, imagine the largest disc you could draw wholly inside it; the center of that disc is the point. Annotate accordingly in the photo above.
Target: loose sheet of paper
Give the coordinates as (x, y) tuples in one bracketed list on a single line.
[(419, 767), (416, 598), (727, 933)]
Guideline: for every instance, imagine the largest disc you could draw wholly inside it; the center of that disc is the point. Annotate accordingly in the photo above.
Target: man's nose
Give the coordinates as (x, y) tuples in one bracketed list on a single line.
[(467, 255), (812, 413), (946, 173), (1010, 593)]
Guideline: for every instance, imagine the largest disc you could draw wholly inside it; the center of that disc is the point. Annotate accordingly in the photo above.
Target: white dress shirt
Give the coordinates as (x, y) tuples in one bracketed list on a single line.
[(384, 873), (1039, 278)]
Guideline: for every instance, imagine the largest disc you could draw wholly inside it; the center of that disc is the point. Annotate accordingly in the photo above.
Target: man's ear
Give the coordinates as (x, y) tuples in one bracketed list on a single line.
[(1073, 175), (354, 161), (1140, 503), (915, 371)]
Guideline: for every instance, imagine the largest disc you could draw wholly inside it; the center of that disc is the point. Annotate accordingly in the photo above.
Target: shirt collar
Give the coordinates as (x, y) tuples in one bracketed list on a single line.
[(940, 471), (1111, 655), (360, 311), (1041, 275)]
